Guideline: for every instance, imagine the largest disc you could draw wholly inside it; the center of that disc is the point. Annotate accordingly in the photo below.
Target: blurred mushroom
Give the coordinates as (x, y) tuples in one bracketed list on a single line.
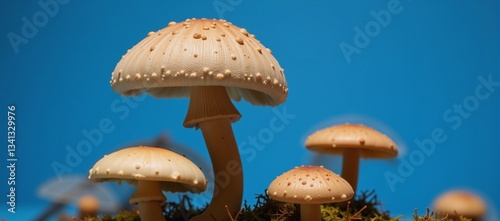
[(212, 62), (65, 190), (352, 141), (310, 186), (151, 170), (460, 203), (88, 206)]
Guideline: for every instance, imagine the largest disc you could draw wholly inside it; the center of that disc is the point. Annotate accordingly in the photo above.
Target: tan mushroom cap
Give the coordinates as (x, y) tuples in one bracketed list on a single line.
[(201, 52), (176, 172), (310, 185), (464, 203), (369, 142), (88, 205)]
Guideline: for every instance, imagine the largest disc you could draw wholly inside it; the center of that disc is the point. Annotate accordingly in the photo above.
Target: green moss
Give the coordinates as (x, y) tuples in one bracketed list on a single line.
[(364, 207)]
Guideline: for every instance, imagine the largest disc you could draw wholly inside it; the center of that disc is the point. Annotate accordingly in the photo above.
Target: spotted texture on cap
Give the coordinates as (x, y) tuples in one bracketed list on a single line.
[(310, 185), (176, 172), (201, 52), (369, 142)]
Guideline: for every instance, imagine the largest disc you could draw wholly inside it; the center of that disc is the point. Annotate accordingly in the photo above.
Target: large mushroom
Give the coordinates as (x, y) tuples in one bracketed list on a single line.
[(212, 62), (152, 170), (310, 186), (352, 141)]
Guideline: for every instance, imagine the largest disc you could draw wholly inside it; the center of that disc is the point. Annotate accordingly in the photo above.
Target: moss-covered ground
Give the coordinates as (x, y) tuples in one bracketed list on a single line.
[(364, 207)]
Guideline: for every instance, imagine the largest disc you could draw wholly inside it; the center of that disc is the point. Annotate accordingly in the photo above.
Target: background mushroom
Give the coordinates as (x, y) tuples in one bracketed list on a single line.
[(88, 206), (151, 170), (69, 189), (310, 186), (212, 62), (352, 141), (461, 203)]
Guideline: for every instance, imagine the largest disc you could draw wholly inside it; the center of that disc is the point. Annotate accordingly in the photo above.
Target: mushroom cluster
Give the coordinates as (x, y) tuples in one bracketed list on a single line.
[(210, 62)]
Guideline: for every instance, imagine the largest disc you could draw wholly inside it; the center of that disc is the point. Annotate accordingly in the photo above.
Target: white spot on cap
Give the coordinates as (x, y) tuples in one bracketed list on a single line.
[(176, 175), (244, 32)]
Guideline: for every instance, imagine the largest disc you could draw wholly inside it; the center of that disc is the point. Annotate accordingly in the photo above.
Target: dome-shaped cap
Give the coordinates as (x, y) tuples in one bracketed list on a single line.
[(176, 172), (310, 185), (201, 52), (369, 142), (463, 203)]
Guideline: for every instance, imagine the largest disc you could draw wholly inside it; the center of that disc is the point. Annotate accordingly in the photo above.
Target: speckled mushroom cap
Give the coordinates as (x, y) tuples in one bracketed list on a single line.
[(176, 172), (310, 185), (369, 142), (201, 52), (464, 203)]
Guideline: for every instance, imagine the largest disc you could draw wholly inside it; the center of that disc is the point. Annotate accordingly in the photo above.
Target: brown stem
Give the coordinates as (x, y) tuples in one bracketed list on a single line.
[(350, 167), (211, 110), (310, 212)]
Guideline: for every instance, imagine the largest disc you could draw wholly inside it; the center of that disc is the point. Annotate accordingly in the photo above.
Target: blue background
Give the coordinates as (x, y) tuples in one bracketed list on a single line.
[(405, 81)]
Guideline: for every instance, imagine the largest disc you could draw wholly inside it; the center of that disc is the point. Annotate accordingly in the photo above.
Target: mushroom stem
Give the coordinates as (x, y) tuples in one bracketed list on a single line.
[(211, 110), (150, 211), (350, 167), (149, 197), (310, 212)]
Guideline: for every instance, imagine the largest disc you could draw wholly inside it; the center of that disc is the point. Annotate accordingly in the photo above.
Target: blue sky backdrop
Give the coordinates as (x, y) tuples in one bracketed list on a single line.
[(427, 73)]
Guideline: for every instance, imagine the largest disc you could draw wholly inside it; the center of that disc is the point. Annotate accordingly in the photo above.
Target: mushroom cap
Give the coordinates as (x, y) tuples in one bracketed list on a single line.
[(201, 52), (175, 172), (310, 185), (369, 142), (88, 204), (464, 203)]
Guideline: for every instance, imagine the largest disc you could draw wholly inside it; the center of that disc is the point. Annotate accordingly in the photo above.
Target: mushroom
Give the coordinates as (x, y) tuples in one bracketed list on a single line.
[(352, 141), (310, 186), (88, 206), (461, 203), (151, 170), (211, 62)]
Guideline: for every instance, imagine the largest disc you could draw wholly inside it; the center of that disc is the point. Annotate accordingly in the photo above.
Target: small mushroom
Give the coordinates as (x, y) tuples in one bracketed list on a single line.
[(151, 170), (88, 206), (461, 203), (352, 141), (211, 62), (310, 186)]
